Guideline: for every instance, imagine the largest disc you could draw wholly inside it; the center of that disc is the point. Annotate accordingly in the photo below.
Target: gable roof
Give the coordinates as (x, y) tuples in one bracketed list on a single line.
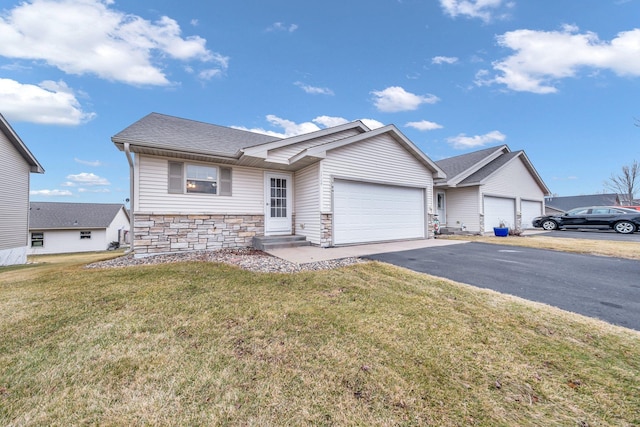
[(458, 166), (160, 131), (475, 167), (567, 203), (58, 215), (12, 136), (159, 134)]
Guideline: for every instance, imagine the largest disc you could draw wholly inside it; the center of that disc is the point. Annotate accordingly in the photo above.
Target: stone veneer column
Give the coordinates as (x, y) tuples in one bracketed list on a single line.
[(326, 230), (155, 234)]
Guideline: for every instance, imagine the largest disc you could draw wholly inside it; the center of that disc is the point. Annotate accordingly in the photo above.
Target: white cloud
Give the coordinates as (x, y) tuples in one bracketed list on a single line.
[(48, 103), (544, 57), (372, 123), (313, 89), (94, 190), (94, 163), (51, 193), (424, 125), (444, 60), (89, 37), (395, 98), (209, 74), (486, 10), (462, 141), (291, 128), (279, 26), (87, 179), (329, 122)]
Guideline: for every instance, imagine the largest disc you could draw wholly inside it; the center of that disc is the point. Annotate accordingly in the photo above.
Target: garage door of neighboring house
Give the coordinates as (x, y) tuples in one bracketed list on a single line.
[(530, 209), (366, 212), (499, 208)]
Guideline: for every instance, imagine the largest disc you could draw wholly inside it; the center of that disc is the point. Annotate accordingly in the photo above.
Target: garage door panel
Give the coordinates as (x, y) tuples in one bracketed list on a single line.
[(530, 210), (365, 212), (497, 209)]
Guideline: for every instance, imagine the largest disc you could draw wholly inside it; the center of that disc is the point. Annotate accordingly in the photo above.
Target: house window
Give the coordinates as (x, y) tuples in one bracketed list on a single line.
[(85, 235), (202, 179), (37, 240), (199, 178)]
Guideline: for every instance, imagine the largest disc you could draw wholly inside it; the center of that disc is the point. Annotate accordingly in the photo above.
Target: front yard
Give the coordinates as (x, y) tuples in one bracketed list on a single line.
[(370, 344)]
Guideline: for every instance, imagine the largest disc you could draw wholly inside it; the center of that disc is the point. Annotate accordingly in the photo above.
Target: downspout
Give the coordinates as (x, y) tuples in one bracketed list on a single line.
[(127, 151)]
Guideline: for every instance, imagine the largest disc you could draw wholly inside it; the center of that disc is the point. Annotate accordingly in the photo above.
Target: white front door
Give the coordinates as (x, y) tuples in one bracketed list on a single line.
[(277, 196)]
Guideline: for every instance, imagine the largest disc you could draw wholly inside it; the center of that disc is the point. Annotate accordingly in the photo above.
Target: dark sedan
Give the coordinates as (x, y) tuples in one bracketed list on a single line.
[(625, 221)]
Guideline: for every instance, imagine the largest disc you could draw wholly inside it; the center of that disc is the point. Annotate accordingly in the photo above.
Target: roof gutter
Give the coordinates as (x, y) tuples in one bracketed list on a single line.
[(127, 152)]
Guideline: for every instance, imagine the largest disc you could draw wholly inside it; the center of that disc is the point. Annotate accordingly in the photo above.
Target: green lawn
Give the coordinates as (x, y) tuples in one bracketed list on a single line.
[(370, 344)]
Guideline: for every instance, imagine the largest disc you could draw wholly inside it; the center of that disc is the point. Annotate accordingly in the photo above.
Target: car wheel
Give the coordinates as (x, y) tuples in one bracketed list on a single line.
[(549, 225), (624, 227)]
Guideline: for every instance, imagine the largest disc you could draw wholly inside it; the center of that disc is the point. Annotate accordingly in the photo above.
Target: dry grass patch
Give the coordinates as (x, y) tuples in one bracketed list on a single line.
[(628, 250), (370, 344)]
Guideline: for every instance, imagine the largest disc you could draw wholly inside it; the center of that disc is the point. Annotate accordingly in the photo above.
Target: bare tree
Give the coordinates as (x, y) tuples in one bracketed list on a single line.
[(626, 182)]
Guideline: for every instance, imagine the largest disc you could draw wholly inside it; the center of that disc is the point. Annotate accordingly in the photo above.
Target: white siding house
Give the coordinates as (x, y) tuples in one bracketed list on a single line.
[(16, 165), (57, 227), (201, 186), (488, 187)]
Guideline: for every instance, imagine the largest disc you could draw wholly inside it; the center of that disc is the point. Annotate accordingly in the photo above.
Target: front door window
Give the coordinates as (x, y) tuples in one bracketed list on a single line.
[(278, 198)]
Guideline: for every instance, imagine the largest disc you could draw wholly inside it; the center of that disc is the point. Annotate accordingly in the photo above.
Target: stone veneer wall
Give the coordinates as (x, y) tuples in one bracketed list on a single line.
[(155, 234), (326, 230)]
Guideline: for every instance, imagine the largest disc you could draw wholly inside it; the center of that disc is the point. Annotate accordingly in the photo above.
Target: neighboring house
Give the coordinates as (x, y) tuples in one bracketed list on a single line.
[(201, 186), (559, 205), (16, 165), (76, 227), (487, 187)]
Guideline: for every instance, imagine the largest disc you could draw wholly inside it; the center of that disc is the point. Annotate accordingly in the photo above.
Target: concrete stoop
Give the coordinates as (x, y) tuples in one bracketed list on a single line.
[(454, 231), (265, 243)]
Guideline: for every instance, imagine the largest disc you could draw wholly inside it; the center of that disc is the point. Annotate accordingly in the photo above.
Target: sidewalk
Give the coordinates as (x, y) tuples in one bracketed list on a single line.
[(304, 254)]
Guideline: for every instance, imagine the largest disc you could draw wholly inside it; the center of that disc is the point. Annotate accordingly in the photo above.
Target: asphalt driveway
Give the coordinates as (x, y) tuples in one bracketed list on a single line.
[(602, 287)]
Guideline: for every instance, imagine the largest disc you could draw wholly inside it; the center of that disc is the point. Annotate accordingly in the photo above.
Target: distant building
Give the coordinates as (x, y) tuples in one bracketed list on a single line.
[(559, 205), (16, 165), (76, 227)]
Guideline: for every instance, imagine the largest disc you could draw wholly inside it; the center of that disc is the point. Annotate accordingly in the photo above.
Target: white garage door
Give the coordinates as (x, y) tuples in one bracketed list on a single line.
[(530, 210), (496, 209), (364, 212)]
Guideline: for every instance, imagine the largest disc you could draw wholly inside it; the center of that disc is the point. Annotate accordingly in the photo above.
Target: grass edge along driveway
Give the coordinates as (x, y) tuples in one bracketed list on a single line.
[(370, 344)]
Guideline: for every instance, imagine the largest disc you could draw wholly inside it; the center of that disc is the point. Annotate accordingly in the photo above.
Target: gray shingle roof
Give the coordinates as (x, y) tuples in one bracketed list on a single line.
[(454, 166), (47, 215), (571, 202), (174, 133)]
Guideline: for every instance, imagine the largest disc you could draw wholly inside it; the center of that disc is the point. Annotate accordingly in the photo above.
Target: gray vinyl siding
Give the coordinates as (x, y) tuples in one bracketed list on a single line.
[(515, 181), (307, 203), (380, 160), (463, 207), (153, 193), (14, 196)]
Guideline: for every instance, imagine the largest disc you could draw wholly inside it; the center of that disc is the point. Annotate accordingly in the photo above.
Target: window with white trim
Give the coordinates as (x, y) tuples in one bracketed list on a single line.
[(199, 178), (37, 240)]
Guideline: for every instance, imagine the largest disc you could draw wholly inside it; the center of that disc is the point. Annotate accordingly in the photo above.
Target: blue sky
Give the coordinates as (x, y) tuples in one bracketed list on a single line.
[(559, 79)]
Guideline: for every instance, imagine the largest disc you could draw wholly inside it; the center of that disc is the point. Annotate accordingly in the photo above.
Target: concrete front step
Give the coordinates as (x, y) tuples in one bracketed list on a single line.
[(264, 243), (454, 231)]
